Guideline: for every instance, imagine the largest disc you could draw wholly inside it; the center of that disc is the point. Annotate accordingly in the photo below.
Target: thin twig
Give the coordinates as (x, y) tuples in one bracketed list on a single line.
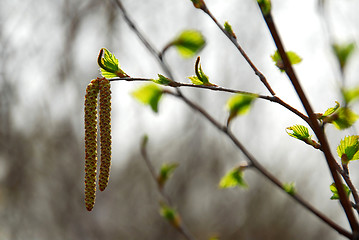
[(180, 227), (344, 200), (241, 50), (274, 99)]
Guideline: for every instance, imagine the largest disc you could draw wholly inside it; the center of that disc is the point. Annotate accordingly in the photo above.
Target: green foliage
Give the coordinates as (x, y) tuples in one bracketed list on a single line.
[(343, 52), (299, 132), (201, 78), (292, 56), (233, 178), (302, 133), (170, 215), (229, 30), (289, 188), (162, 80), (189, 43), (345, 118), (334, 190), (348, 149), (110, 67), (239, 104), (149, 94), (332, 110), (166, 172), (340, 117), (350, 95), (265, 6)]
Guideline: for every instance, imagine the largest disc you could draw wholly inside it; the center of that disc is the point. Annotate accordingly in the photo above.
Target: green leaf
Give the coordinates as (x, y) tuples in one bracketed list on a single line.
[(110, 67), (344, 118), (292, 56), (348, 149), (350, 94), (201, 78), (170, 215), (233, 178), (162, 80), (166, 172), (149, 94), (343, 52), (189, 43), (302, 133), (228, 29), (265, 6), (289, 188), (334, 190), (240, 104), (332, 110), (195, 80), (299, 132)]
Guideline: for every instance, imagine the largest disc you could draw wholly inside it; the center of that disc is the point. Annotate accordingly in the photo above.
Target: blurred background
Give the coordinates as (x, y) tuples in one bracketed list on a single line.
[(48, 56)]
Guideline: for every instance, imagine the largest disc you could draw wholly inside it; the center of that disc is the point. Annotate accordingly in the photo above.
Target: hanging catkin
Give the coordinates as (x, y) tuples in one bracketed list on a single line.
[(105, 132), (91, 142)]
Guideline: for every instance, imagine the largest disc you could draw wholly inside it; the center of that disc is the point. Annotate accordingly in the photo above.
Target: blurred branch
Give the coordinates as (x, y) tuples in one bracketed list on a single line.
[(179, 225)]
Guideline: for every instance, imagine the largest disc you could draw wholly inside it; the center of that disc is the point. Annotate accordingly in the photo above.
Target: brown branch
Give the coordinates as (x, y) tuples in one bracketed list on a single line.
[(255, 163), (274, 99), (344, 200)]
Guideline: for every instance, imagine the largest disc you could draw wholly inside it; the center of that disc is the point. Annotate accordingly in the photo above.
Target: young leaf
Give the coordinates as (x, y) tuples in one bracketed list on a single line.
[(332, 110), (165, 173), (149, 94), (233, 178), (201, 78), (292, 56), (195, 80), (110, 67), (162, 80), (189, 43), (348, 149), (265, 6), (170, 215), (350, 94), (302, 133), (289, 188), (229, 30), (340, 117), (344, 118), (299, 132), (239, 104), (343, 52), (334, 190)]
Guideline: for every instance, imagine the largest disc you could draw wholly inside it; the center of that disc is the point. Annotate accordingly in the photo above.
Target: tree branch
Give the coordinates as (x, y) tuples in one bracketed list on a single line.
[(344, 200)]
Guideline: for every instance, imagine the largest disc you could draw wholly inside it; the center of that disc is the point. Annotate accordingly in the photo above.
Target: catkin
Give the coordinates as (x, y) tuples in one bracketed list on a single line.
[(105, 132), (91, 143)]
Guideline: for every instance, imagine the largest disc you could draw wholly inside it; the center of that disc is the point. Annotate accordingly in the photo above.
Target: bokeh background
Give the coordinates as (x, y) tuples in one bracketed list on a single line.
[(48, 52)]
